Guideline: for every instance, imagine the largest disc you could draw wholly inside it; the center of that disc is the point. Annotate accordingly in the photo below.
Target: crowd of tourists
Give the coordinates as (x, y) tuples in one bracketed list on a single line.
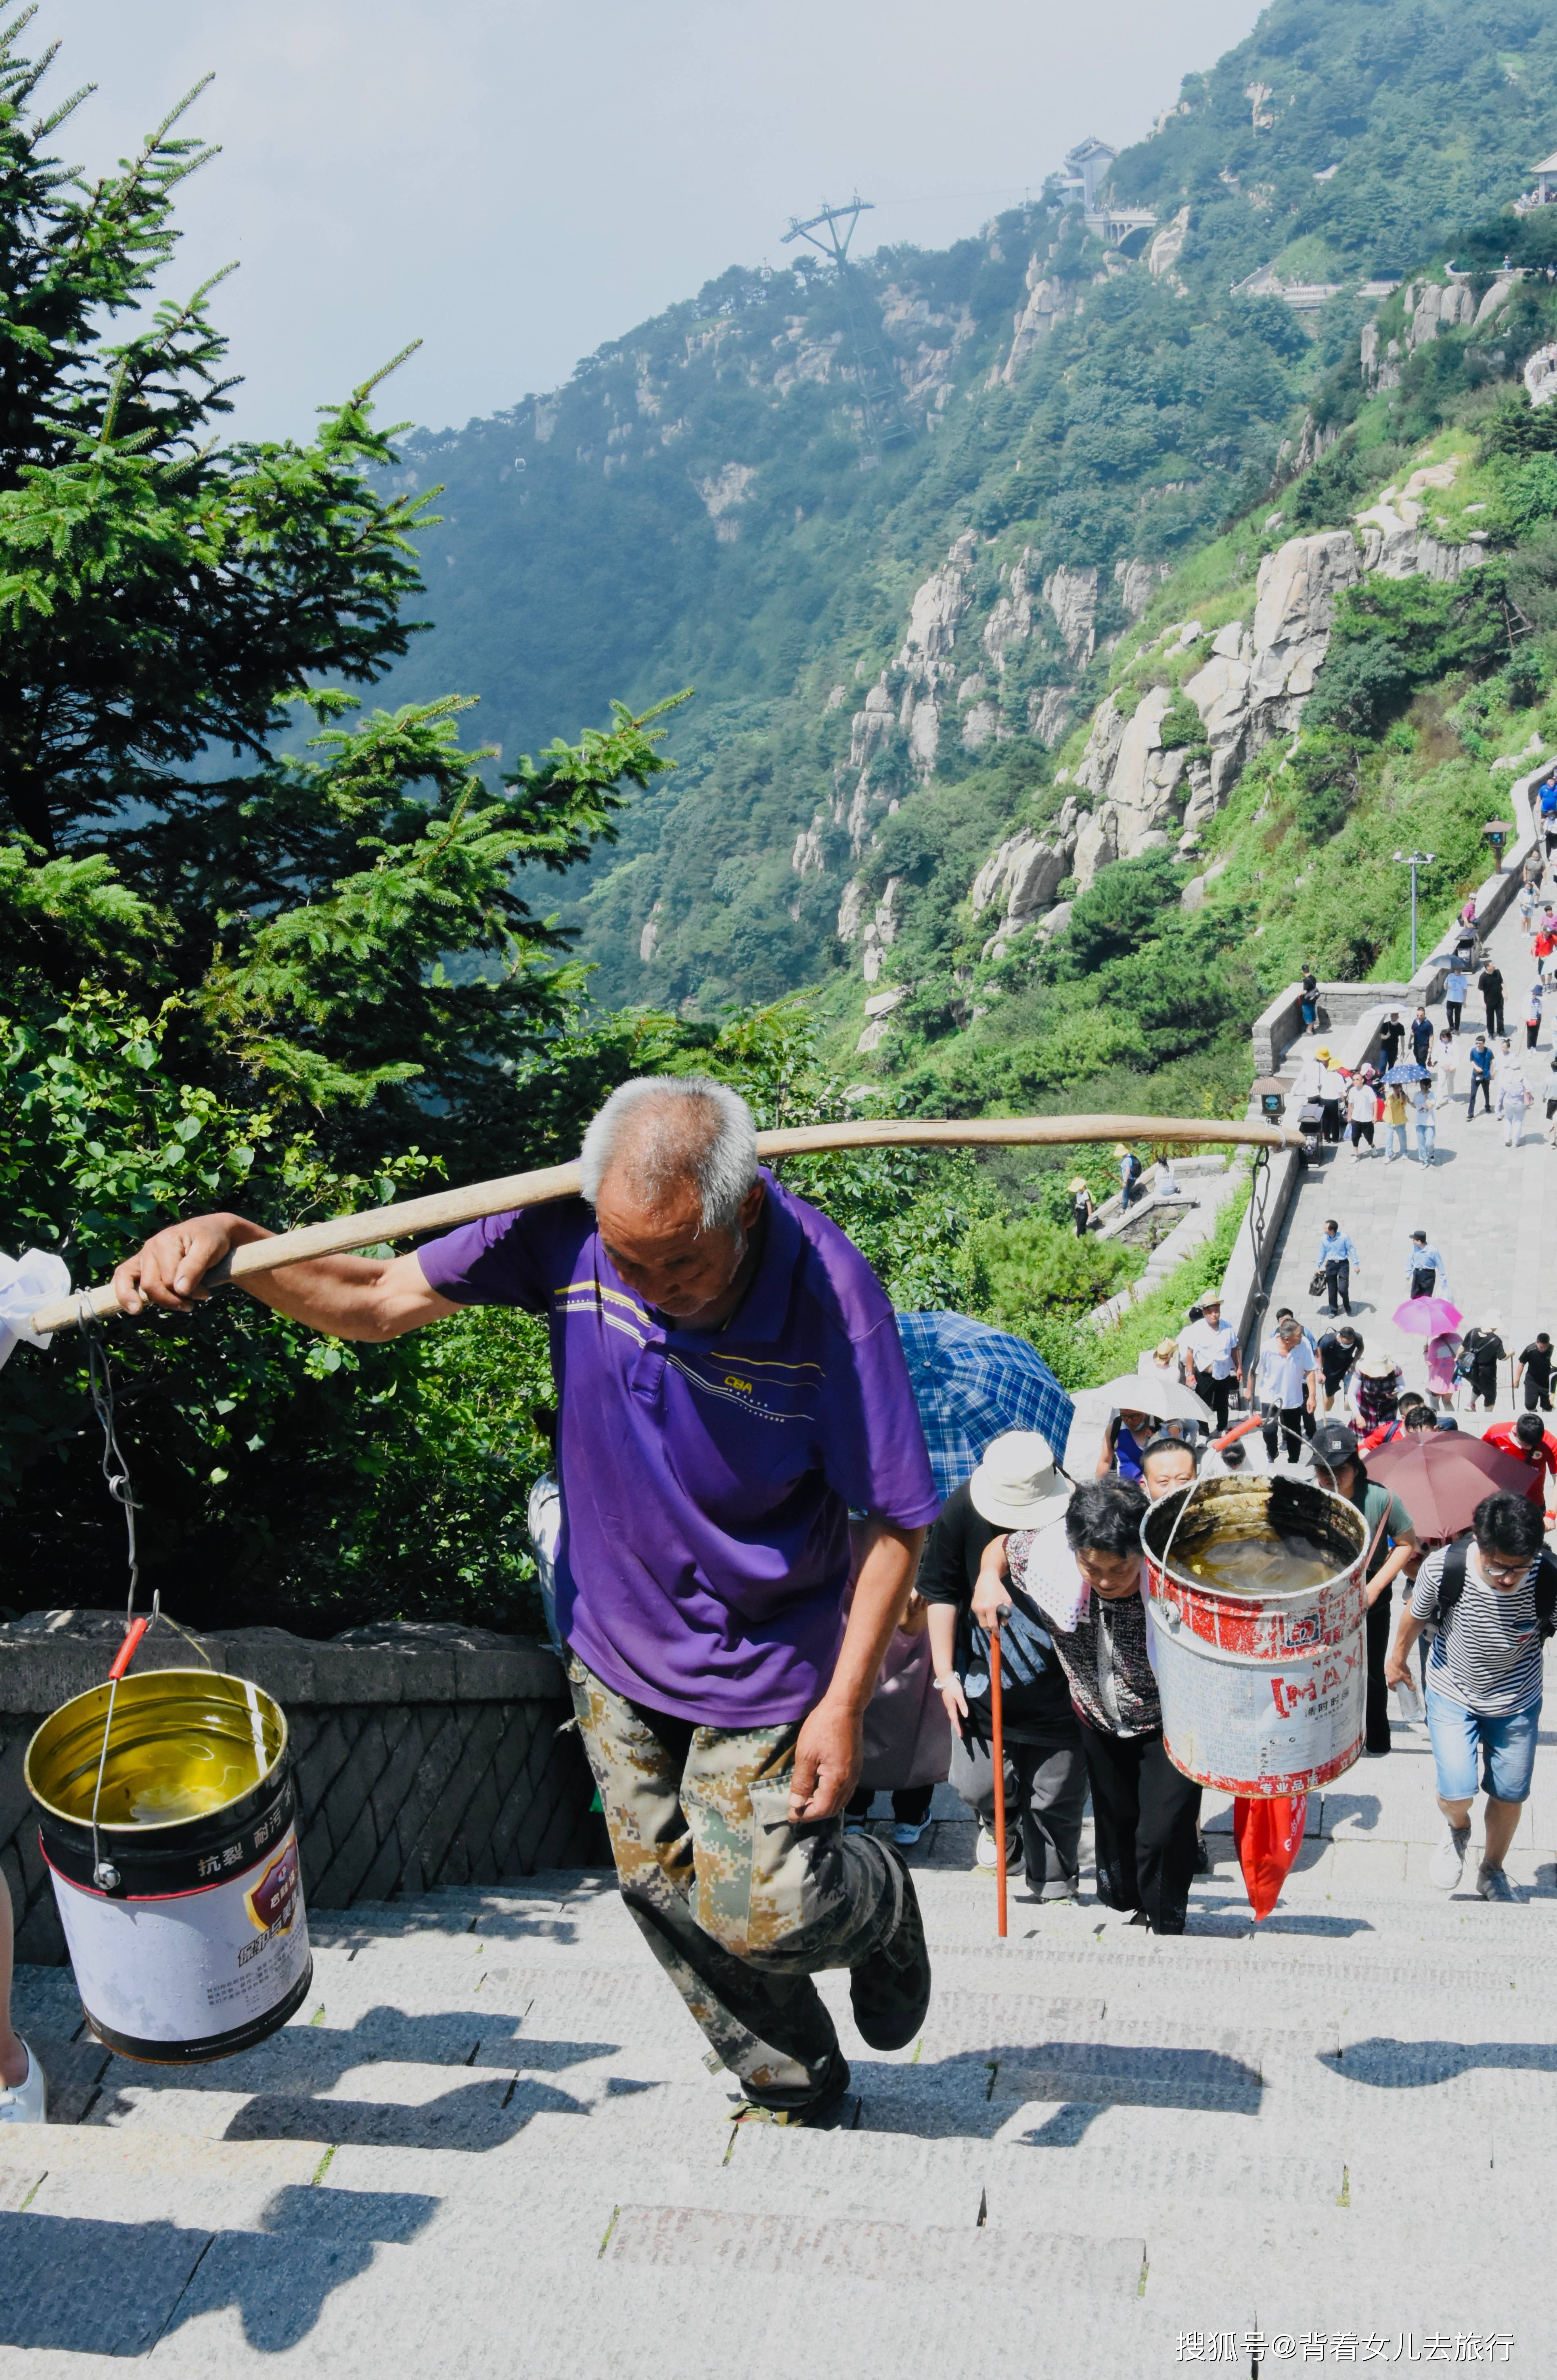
[(1468, 1558), (1390, 1107)]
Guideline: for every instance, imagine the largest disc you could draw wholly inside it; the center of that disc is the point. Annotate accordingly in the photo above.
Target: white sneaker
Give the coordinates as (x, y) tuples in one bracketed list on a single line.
[(986, 1850), (1449, 1859), (1492, 1884), (26, 2102)]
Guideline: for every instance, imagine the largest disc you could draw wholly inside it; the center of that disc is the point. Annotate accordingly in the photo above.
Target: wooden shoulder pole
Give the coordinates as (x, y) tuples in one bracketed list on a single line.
[(444, 1209)]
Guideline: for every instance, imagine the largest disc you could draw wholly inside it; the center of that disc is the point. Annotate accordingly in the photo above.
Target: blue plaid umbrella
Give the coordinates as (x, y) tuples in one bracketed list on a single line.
[(971, 1383)]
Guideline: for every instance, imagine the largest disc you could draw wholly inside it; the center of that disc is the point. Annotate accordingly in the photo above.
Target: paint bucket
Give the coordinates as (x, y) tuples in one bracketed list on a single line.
[(198, 1947), (1264, 1686)]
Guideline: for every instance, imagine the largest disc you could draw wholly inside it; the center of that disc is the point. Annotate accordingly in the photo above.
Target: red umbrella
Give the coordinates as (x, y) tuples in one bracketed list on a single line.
[(1442, 1475)]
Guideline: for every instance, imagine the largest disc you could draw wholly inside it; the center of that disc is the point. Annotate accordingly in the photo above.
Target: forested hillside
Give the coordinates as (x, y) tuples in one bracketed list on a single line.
[(897, 611)]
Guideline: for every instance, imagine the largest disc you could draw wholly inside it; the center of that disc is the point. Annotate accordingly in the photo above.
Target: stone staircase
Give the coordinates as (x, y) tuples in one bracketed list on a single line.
[(490, 2144)]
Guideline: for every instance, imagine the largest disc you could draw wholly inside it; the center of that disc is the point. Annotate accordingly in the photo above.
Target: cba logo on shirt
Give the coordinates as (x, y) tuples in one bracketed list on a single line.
[(763, 1390)]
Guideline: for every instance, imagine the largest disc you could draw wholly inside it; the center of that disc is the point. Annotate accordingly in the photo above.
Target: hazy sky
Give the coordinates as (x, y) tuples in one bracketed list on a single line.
[(516, 183)]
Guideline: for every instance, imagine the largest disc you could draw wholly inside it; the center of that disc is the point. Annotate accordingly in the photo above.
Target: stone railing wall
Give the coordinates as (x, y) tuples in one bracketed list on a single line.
[(1340, 1004), (1274, 1032), (425, 1754)]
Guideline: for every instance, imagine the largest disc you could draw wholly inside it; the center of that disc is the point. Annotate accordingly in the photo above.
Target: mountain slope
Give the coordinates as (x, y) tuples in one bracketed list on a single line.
[(893, 615)]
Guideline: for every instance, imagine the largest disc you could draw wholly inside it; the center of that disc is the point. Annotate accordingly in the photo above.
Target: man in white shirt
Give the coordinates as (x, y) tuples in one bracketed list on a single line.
[(1213, 1352), (1362, 1110), (1284, 1386)]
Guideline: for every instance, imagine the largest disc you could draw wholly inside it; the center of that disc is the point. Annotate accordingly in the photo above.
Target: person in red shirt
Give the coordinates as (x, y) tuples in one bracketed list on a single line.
[(1527, 1441), (1414, 1413)]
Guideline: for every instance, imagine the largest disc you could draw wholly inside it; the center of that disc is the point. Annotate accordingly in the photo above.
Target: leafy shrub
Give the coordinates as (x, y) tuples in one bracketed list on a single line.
[(1025, 1273), (1181, 729), (1394, 635), (1123, 905)]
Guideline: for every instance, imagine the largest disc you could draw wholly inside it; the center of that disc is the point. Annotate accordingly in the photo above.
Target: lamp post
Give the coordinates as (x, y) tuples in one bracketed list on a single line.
[(1497, 834), (1415, 859)]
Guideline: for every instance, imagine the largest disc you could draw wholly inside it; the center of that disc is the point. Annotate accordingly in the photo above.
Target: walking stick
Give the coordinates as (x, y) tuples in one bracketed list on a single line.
[(997, 1717)]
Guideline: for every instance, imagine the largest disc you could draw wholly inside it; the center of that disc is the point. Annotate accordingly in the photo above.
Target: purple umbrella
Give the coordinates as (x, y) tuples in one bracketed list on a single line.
[(1427, 1318)]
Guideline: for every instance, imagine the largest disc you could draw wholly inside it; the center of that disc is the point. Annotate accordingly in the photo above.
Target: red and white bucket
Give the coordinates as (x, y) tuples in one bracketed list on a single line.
[(1263, 1695)]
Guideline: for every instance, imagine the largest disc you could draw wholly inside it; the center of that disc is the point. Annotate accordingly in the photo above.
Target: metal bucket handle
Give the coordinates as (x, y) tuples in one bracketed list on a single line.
[(1199, 1481), (1162, 1558)]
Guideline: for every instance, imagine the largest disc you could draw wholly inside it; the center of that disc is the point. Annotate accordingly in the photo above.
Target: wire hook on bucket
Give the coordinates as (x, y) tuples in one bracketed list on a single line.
[(117, 1479)]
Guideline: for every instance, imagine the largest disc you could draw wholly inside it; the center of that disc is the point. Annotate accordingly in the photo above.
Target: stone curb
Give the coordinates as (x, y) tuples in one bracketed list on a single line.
[(51, 1656)]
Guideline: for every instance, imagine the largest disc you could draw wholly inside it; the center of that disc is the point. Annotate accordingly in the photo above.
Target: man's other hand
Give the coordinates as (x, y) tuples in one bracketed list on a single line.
[(169, 1269), (828, 1754)]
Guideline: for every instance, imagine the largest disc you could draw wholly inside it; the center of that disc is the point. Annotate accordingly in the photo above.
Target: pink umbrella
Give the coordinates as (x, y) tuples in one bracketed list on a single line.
[(1427, 1318)]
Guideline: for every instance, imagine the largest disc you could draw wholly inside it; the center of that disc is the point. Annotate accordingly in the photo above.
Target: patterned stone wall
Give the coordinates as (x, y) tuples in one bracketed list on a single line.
[(426, 1755)]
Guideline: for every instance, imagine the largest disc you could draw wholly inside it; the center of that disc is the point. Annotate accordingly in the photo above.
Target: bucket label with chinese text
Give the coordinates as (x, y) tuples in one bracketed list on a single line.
[(194, 1964)]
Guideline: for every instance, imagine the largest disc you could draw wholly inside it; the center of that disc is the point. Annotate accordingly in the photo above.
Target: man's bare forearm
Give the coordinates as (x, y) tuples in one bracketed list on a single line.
[(371, 1298), (339, 1295)]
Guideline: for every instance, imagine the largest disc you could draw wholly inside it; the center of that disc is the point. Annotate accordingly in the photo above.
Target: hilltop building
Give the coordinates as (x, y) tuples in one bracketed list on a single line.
[(1543, 190), (1087, 169)]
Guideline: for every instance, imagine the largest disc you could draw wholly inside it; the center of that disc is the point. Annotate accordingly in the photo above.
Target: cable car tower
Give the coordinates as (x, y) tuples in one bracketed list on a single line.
[(881, 397)]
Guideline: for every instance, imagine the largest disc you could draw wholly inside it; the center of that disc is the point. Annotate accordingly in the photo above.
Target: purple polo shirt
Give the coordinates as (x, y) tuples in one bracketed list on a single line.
[(707, 1476)]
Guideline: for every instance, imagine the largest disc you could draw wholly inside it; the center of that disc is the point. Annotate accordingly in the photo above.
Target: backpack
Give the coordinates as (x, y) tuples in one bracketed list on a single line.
[(1452, 1587)]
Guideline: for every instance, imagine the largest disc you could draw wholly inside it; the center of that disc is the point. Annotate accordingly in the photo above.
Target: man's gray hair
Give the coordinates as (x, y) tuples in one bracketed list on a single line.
[(663, 1130)]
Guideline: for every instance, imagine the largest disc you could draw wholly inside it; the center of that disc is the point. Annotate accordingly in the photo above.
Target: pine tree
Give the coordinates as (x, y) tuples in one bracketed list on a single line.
[(256, 949)]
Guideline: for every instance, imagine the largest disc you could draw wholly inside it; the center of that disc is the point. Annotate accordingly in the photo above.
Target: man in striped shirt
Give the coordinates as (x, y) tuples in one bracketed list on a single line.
[(1492, 1601)]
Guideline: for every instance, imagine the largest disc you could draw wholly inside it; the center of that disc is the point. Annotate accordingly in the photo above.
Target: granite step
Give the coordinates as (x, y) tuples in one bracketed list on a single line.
[(705, 2240)]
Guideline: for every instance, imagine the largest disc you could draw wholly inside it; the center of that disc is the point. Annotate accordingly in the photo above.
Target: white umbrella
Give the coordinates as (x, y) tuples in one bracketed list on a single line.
[(1163, 1398)]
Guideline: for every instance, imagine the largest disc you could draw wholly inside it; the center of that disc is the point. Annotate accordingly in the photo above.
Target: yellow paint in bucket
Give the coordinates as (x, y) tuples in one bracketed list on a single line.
[(201, 1949)]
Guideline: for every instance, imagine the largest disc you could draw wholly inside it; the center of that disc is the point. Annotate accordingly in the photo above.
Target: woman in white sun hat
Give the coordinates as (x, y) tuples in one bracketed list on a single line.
[(1017, 1486)]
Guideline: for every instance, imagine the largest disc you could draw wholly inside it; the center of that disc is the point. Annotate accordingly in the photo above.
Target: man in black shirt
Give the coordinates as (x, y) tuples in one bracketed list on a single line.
[(1337, 1352), (1535, 1370), (1391, 1033), (1480, 1354), (1016, 1486), (1488, 983), (1421, 1036)]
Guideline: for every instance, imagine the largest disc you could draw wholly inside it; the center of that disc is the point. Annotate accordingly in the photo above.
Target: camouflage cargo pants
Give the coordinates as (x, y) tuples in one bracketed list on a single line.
[(740, 1907)]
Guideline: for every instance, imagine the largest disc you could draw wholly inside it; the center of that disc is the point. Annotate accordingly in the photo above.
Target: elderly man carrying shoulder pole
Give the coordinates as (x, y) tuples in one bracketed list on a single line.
[(730, 1383)]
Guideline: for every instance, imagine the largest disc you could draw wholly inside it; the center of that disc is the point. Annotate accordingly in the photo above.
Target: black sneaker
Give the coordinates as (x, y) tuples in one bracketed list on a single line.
[(836, 2107), (891, 1989)]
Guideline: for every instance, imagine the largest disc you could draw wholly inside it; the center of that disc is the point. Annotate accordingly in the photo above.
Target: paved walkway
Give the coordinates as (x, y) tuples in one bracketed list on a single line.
[(1492, 1211), (488, 2145)]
